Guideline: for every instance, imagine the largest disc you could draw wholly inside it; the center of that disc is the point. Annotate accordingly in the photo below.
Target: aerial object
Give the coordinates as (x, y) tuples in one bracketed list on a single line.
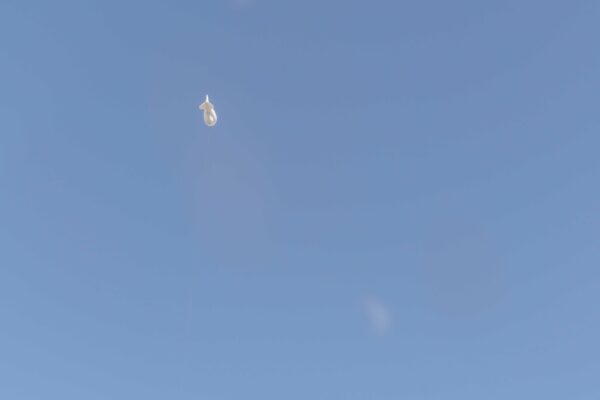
[(210, 116)]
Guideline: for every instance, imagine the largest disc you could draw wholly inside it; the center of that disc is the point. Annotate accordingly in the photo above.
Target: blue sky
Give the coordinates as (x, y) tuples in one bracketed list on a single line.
[(400, 200)]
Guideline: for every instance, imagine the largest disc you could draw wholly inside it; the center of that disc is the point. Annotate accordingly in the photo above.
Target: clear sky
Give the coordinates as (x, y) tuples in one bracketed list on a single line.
[(401, 200)]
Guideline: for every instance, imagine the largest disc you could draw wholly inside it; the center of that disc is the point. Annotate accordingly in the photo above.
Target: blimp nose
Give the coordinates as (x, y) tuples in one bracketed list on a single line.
[(210, 118)]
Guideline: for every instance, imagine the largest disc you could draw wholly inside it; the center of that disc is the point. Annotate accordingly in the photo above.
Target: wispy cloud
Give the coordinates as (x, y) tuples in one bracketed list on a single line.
[(378, 315)]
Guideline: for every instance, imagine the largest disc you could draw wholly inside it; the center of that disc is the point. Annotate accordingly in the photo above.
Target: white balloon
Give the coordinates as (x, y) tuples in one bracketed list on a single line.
[(210, 115)]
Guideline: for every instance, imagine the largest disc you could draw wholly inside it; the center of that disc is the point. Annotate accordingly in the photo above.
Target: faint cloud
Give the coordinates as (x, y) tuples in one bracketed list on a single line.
[(378, 315)]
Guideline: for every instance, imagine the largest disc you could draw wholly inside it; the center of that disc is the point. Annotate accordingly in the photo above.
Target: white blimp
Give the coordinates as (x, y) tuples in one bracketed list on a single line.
[(210, 115)]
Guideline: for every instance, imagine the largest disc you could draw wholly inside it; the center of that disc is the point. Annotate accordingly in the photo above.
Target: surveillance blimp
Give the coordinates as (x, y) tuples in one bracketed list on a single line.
[(210, 115)]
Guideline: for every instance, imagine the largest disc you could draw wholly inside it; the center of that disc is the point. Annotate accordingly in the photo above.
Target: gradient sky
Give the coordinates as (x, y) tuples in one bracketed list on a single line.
[(401, 200)]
